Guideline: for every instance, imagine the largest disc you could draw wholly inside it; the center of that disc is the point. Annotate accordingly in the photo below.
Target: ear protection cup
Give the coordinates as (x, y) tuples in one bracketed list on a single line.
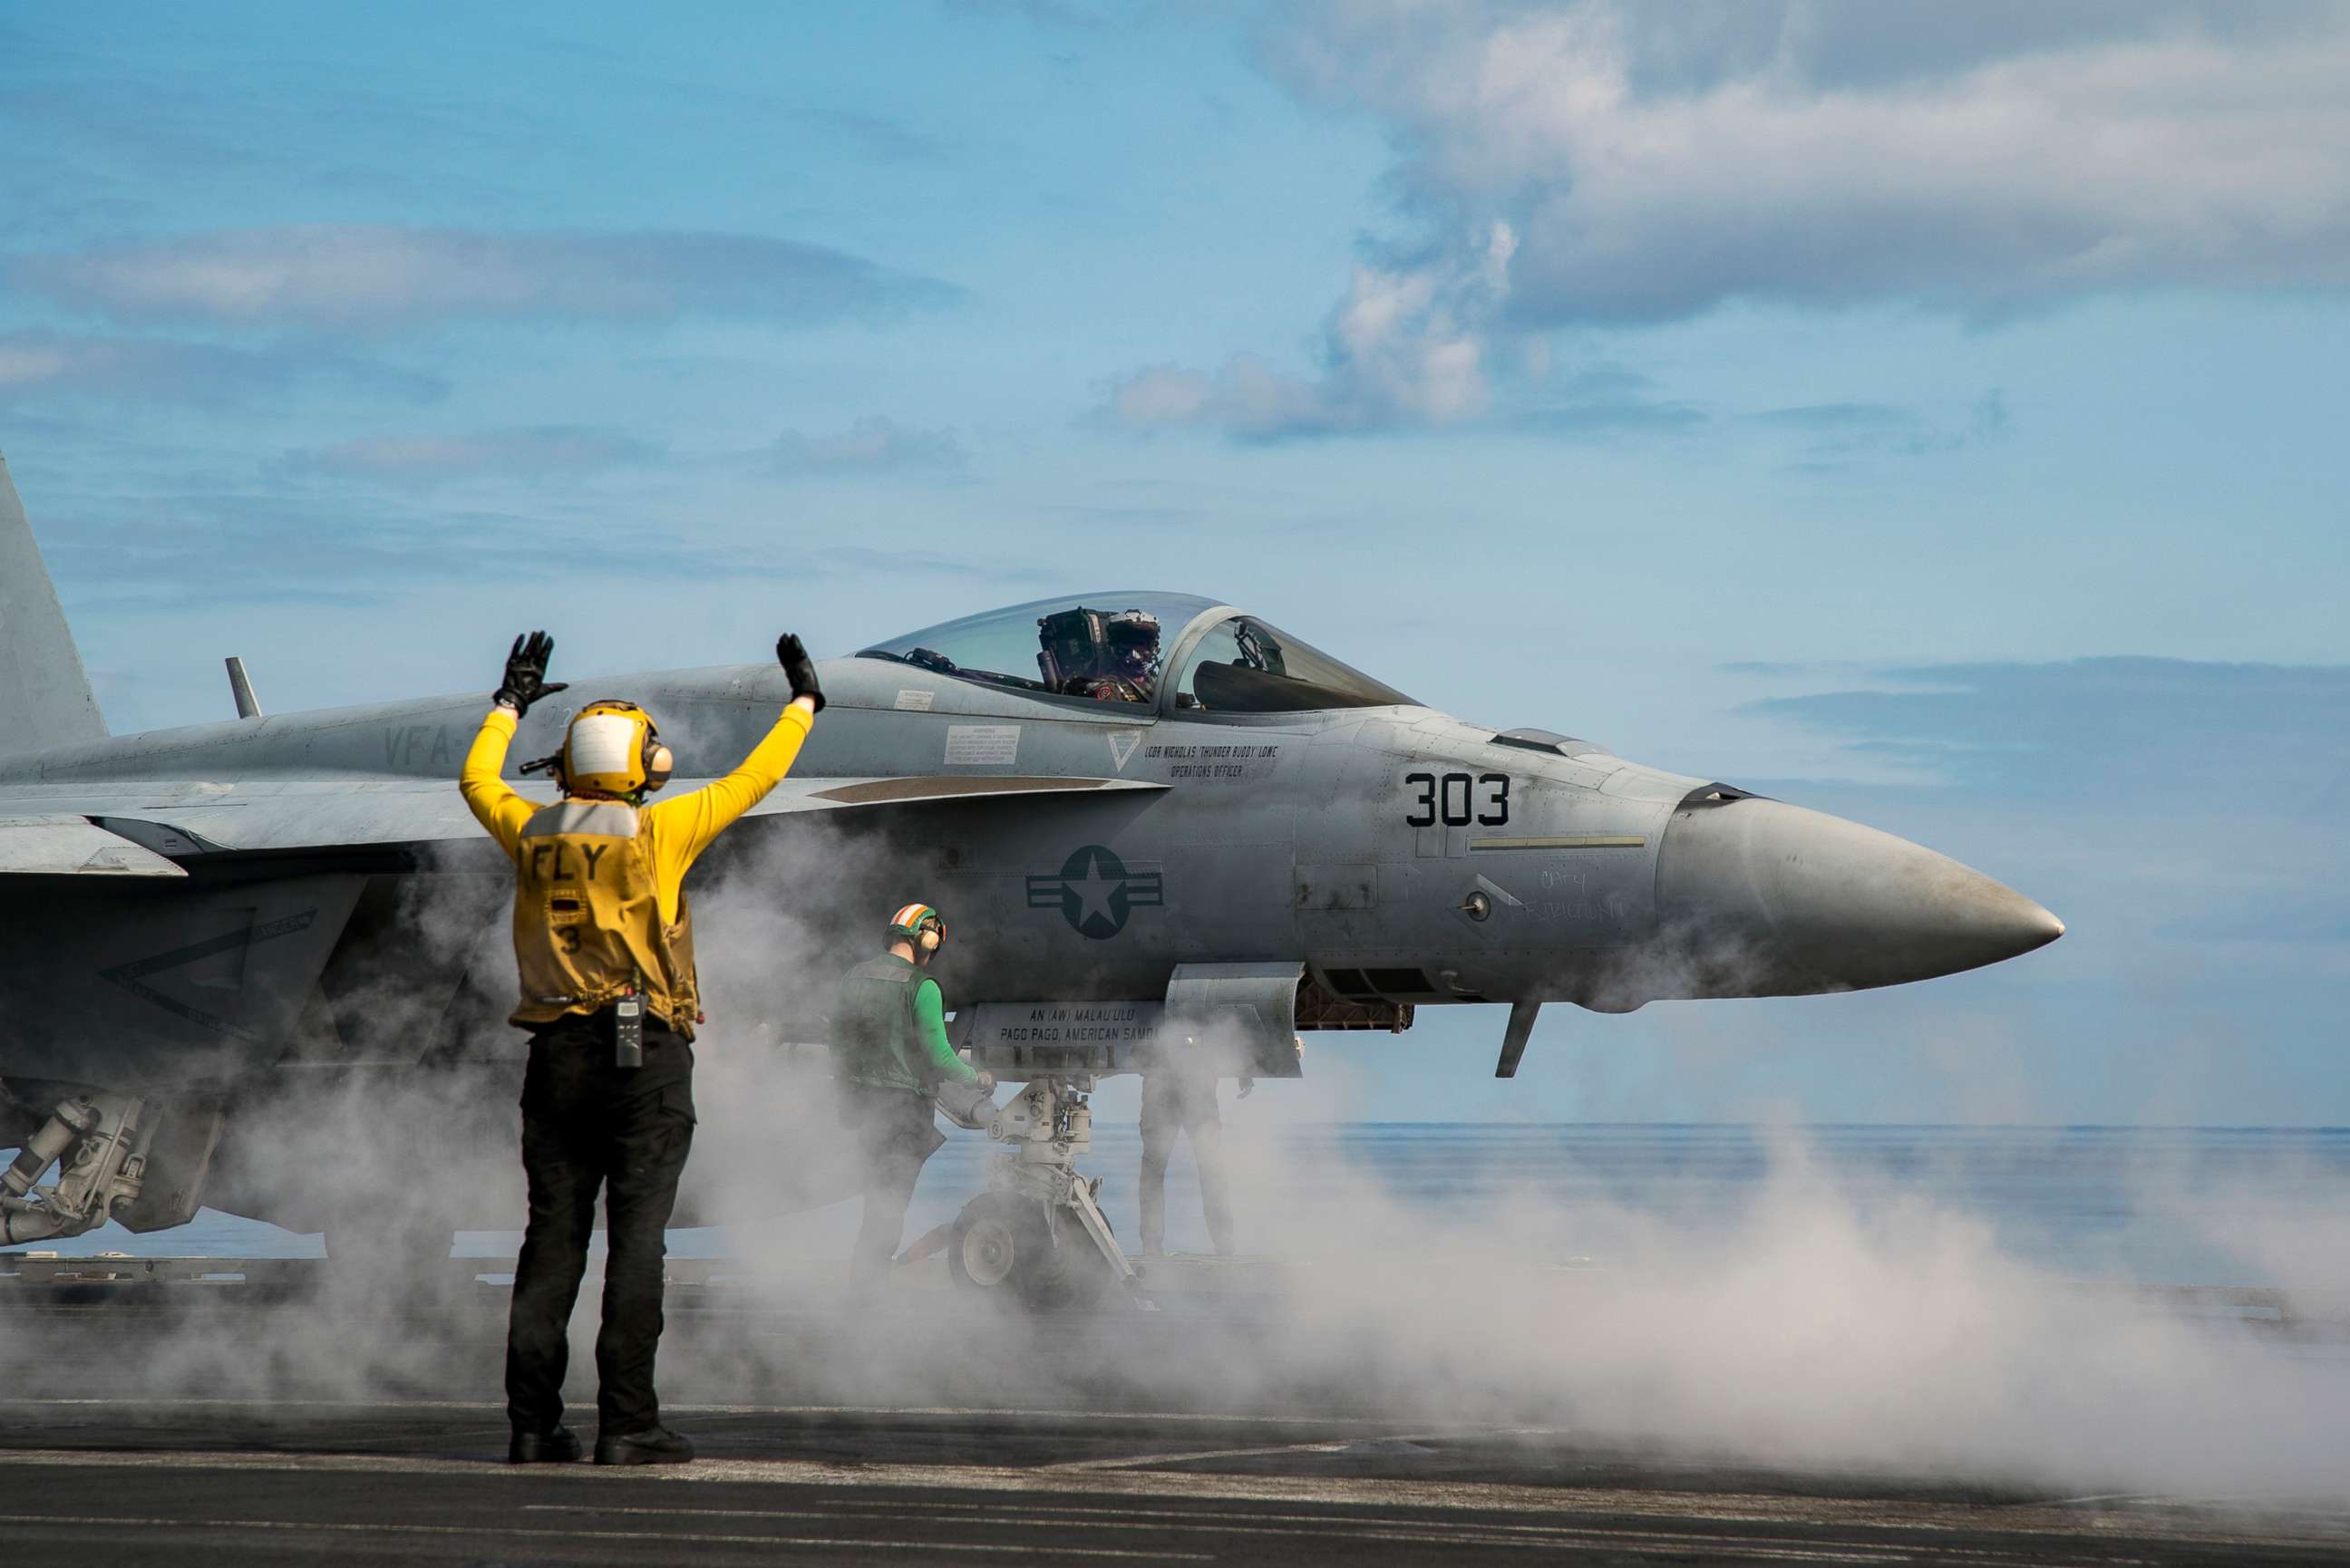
[(930, 938), (660, 760)]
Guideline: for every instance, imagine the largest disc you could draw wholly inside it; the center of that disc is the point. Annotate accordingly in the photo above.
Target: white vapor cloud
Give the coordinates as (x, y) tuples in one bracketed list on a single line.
[(362, 277), (1595, 162)]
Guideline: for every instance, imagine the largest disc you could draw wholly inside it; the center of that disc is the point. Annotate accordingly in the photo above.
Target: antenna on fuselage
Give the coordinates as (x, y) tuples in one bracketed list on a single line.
[(240, 687)]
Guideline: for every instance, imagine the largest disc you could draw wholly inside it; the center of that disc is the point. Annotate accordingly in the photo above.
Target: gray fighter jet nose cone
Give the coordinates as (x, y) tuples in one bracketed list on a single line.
[(1762, 899)]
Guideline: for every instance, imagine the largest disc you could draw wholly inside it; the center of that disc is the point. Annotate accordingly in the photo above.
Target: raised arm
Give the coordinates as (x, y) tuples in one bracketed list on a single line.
[(687, 825), (492, 800)]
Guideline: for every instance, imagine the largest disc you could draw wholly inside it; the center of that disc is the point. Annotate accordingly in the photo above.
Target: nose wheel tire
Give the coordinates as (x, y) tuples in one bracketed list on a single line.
[(1001, 1246), (995, 1239)]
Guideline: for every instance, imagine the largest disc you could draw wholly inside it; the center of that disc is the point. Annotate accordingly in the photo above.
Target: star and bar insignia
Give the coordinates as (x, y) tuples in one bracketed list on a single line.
[(1094, 892)]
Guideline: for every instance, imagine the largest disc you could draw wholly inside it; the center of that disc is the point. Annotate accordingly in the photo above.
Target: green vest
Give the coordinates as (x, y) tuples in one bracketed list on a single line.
[(873, 1025)]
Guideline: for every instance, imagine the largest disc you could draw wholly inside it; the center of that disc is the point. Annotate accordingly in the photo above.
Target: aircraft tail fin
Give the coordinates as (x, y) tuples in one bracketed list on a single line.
[(45, 696)]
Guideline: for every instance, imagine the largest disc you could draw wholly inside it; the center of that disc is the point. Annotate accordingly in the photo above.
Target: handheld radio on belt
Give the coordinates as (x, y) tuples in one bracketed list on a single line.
[(629, 1026)]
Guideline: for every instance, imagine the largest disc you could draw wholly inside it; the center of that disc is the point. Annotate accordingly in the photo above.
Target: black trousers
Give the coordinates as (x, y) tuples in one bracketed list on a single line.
[(587, 1125), (897, 1130)]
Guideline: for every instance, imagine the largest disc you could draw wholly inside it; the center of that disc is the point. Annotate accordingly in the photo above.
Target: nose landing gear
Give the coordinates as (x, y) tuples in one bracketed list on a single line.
[(1036, 1235)]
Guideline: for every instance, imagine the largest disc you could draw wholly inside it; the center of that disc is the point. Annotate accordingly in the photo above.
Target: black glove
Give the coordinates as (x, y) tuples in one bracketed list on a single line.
[(526, 673), (799, 669)]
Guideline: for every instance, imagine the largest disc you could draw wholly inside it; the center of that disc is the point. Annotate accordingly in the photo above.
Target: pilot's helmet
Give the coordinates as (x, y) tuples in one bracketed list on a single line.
[(1133, 638), (613, 748)]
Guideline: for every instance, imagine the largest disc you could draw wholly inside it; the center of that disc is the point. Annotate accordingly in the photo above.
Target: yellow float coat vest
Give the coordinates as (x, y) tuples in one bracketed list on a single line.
[(587, 922), (599, 898)]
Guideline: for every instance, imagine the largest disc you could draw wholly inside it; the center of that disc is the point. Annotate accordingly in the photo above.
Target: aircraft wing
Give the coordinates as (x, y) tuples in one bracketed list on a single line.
[(120, 831), (60, 845)]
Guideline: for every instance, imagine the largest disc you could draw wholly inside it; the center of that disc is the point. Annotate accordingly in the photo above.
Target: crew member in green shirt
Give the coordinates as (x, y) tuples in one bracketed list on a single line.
[(889, 1047)]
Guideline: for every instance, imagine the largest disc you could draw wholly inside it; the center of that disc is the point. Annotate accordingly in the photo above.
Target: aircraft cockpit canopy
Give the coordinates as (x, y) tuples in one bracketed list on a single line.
[(1115, 647), (1245, 666)]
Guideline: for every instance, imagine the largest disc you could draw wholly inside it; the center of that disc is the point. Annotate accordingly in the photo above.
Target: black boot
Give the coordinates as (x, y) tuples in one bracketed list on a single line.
[(559, 1445), (652, 1446)]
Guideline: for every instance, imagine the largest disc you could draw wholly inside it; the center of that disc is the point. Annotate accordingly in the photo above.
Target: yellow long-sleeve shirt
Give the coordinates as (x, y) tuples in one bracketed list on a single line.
[(677, 831), (590, 924)]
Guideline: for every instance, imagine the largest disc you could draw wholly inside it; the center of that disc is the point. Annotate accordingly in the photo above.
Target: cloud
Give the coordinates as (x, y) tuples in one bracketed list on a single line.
[(871, 445), (1655, 162), (1397, 354), (1605, 401), (2128, 730), (329, 277), (1595, 162), (1833, 434), (224, 543), (1402, 347), (528, 450), (44, 366), (204, 542), (2148, 801)]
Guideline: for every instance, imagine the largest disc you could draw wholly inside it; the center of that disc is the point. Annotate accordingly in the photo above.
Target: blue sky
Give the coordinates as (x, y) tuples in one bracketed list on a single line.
[(1933, 417)]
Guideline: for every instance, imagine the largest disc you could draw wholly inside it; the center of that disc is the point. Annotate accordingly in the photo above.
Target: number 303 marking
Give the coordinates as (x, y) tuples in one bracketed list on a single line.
[(1457, 800)]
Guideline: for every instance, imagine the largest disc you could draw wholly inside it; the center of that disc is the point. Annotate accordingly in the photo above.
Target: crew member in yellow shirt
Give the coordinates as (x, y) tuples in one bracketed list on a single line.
[(604, 944)]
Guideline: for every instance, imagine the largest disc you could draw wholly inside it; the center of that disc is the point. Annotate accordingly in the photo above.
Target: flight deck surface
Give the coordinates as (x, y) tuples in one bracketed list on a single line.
[(274, 1418)]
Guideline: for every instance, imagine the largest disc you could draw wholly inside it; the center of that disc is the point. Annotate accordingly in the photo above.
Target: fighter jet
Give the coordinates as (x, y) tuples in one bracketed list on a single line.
[(1139, 811)]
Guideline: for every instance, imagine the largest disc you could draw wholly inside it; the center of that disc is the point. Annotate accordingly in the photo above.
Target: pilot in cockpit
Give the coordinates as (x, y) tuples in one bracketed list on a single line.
[(1112, 658)]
